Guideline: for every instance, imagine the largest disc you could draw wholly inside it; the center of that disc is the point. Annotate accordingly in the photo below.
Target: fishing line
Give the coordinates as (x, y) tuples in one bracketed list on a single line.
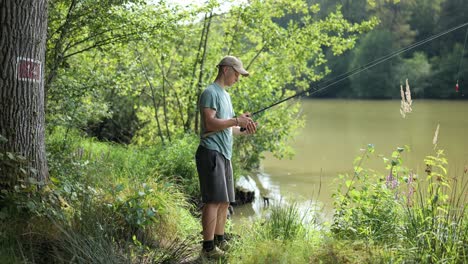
[(461, 60), (360, 69)]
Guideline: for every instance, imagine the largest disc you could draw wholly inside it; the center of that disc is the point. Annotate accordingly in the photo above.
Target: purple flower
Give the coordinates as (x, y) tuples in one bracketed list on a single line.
[(391, 182), (410, 187)]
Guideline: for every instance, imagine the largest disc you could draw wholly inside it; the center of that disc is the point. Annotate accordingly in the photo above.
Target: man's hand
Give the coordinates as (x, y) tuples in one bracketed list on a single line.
[(246, 122), (251, 128)]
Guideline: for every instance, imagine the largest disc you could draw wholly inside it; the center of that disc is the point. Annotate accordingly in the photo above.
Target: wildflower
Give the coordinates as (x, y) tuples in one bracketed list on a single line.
[(391, 181), (410, 188), (428, 169)]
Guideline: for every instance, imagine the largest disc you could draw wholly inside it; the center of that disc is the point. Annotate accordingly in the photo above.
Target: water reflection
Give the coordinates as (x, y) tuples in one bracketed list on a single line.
[(268, 193)]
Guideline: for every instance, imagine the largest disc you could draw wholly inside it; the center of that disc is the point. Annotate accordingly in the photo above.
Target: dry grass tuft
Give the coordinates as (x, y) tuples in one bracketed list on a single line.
[(406, 101)]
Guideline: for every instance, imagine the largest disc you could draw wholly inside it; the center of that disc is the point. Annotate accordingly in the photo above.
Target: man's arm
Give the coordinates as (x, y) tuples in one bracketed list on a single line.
[(213, 124)]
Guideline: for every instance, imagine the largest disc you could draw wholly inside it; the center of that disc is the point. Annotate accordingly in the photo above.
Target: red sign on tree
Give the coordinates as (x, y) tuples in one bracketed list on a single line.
[(28, 69)]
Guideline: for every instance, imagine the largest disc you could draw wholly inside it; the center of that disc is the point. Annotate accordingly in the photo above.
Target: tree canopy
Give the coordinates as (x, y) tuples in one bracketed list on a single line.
[(132, 71)]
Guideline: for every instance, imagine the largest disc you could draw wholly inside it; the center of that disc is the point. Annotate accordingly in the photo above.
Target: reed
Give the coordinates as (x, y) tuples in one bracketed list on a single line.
[(436, 221)]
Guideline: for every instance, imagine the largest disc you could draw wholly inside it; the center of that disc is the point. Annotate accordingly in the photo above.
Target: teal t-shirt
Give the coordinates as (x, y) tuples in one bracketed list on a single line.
[(215, 97)]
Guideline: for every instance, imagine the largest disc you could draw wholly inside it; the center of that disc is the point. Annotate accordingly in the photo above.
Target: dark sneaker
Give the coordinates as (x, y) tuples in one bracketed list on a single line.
[(223, 245), (215, 253)]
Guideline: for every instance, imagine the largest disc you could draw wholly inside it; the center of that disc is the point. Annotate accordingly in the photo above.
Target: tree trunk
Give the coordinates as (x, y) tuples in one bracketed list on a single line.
[(202, 72), (23, 32), (191, 111)]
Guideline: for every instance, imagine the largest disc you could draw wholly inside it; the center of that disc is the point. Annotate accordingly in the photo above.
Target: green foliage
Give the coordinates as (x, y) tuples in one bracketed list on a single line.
[(282, 237), (367, 207), (30, 198), (92, 210), (87, 57), (437, 218), (446, 72), (14, 167), (135, 207), (274, 251), (177, 163), (75, 157), (152, 203), (332, 251), (160, 58), (418, 69), (98, 226), (430, 68), (20, 192), (419, 220), (92, 163), (284, 223), (369, 83)]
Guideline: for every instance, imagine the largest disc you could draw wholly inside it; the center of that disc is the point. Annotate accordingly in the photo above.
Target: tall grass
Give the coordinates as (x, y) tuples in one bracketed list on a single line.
[(81, 158), (106, 203), (436, 221), (365, 207), (109, 203), (284, 223), (281, 237), (418, 220)]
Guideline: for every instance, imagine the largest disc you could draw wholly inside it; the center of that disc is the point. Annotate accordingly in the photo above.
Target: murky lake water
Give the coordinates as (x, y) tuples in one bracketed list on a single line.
[(335, 132)]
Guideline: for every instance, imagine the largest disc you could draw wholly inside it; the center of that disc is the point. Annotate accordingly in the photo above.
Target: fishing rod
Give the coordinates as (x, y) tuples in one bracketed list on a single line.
[(360, 69)]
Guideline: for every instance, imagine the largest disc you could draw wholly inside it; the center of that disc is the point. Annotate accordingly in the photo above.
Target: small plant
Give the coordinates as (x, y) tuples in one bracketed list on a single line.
[(366, 205), (14, 169), (436, 222), (283, 236), (284, 222), (134, 207), (420, 220), (177, 163)]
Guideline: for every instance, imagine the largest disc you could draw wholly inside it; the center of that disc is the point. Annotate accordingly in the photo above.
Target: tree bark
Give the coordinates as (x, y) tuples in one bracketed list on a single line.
[(23, 32)]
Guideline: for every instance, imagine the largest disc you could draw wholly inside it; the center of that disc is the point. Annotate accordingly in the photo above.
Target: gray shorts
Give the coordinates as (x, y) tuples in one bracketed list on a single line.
[(215, 175)]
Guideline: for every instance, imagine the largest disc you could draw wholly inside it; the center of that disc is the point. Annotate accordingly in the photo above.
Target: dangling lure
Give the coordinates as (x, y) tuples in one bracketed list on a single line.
[(457, 88)]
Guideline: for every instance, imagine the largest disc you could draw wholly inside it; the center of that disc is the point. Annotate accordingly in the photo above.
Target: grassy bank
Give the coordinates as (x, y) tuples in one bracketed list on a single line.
[(109, 203), (105, 203)]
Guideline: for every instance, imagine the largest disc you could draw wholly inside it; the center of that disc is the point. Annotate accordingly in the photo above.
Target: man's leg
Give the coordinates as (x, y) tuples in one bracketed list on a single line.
[(221, 218), (220, 239), (209, 220)]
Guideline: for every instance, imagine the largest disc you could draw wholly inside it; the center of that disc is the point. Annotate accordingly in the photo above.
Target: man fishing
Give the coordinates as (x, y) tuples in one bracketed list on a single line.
[(213, 156)]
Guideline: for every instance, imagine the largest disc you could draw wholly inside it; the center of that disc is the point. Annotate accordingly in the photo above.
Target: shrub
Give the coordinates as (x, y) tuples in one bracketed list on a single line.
[(177, 161), (284, 223), (366, 206), (436, 218), (281, 237), (418, 220), (104, 204)]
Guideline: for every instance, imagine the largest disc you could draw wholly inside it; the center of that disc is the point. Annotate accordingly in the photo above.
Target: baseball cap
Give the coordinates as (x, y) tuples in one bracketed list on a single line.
[(235, 63)]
